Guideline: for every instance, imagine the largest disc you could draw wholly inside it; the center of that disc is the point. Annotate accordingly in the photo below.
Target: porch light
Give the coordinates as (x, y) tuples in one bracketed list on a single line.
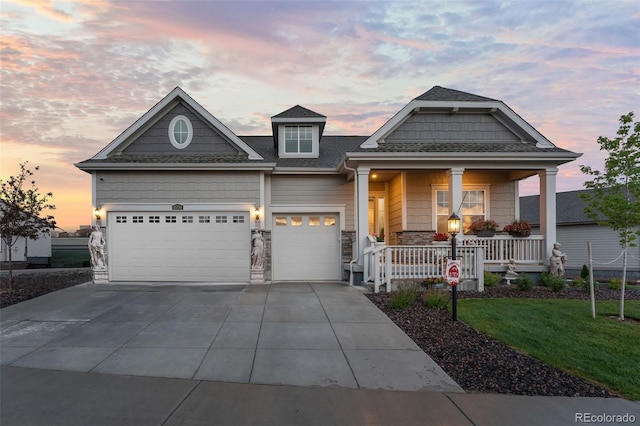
[(257, 213), (453, 225), (97, 213)]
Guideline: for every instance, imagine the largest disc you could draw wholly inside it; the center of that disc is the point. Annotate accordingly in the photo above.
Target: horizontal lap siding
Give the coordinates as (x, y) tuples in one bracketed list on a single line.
[(178, 186), (604, 243), (316, 190)]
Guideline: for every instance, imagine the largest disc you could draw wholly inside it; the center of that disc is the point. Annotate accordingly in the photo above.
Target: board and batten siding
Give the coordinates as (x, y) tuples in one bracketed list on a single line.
[(307, 190), (604, 244), (178, 187)]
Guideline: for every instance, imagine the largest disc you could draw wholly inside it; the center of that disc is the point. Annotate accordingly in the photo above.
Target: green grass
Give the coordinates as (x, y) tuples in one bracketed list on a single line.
[(70, 258), (563, 334)]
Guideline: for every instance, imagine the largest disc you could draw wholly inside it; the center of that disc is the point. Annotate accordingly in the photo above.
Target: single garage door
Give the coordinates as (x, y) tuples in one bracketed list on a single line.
[(306, 247), (172, 246)]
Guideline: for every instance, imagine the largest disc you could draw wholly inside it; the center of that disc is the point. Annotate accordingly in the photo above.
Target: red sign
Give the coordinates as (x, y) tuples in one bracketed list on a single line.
[(452, 272)]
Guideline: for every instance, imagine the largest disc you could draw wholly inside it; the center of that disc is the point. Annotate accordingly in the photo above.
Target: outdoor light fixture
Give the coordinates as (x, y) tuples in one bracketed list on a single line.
[(257, 213), (453, 226), (96, 212)]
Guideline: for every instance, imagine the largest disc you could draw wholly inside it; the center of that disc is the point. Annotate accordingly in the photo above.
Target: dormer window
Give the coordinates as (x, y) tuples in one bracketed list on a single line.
[(298, 139)]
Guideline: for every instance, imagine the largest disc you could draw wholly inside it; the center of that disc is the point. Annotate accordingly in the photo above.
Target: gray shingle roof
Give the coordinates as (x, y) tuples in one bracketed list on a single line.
[(169, 159), (438, 93), (569, 208), (466, 146), (298, 112)]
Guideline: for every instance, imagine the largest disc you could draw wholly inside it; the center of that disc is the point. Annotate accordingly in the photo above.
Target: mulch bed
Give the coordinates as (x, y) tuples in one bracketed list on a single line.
[(479, 363), (29, 285)]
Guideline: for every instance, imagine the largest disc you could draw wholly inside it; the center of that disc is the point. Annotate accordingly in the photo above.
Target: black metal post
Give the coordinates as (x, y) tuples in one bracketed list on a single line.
[(454, 289)]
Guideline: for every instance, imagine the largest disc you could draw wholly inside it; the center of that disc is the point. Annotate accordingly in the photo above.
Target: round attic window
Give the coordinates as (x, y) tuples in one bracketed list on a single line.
[(180, 131)]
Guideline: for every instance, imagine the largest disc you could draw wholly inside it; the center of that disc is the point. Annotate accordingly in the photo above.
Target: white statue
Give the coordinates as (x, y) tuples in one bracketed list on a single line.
[(511, 273), (257, 253), (96, 248), (557, 261)]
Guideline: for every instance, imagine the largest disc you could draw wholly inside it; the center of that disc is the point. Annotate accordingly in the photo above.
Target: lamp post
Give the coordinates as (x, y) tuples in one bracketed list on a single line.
[(453, 226)]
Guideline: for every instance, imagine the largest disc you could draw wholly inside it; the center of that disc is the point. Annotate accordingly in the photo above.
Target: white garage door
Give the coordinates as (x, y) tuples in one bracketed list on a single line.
[(306, 247), (172, 246)]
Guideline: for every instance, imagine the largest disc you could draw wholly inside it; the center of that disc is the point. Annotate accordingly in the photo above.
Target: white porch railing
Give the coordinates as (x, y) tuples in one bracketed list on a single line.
[(382, 263), (499, 249)]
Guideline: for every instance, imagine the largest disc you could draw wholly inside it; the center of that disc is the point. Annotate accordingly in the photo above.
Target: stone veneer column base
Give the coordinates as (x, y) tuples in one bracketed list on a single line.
[(100, 276)]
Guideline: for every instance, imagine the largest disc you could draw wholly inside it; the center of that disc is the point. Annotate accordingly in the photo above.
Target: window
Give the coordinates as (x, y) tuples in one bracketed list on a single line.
[(221, 219), (138, 219), (204, 219), (154, 219), (474, 207), (238, 219), (329, 221), (314, 220), (170, 219), (281, 221), (121, 219), (187, 219), (298, 139), (296, 220), (180, 132)]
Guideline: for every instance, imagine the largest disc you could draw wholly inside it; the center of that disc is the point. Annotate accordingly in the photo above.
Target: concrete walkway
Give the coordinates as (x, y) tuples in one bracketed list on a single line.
[(299, 353)]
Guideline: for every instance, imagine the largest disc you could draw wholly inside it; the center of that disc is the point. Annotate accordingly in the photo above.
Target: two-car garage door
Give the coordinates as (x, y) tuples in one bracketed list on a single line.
[(177, 246)]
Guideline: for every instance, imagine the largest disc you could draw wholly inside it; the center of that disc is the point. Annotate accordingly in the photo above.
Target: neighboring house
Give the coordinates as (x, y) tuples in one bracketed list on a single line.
[(27, 252), (575, 230), (179, 192)]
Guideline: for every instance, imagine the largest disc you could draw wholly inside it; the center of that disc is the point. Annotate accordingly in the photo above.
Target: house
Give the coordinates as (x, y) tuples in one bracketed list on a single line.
[(575, 230), (178, 192)]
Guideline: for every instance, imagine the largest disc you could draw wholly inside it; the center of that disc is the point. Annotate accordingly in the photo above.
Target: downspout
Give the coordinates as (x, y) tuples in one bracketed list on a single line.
[(355, 211)]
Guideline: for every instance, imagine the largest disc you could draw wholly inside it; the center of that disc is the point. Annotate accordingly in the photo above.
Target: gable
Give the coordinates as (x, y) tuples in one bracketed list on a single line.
[(155, 140), (451, 128)]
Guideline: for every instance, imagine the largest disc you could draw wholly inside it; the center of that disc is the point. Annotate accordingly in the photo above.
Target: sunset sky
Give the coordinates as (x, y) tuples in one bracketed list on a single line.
[(75, 74)]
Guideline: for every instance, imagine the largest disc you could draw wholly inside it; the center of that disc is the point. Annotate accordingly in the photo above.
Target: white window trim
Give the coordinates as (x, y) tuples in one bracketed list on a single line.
[(434, 199), (315, 143), (172, 138)]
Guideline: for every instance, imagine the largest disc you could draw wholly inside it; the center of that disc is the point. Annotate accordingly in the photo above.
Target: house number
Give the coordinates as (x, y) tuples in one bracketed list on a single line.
[(177, 207)]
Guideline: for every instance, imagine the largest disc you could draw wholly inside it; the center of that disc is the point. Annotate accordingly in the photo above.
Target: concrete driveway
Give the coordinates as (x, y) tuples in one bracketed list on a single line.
[(300, 334)]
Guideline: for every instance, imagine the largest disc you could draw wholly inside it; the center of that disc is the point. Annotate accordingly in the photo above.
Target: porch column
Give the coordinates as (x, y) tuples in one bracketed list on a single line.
[(455, 190), (548, 209), (362, 221)]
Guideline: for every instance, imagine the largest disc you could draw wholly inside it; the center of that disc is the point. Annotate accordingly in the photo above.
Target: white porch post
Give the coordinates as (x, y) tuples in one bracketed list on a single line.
[(455, 190), (362, 198), (548, 209)]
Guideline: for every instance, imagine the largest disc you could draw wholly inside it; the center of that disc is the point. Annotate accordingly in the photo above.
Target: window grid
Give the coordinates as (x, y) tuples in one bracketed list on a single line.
[(238, 219), (473, 208), (221, 219), (187, 219), (138, 219), (170, 219), (154, 219), (121, 219), (298, 139), (204, 219)]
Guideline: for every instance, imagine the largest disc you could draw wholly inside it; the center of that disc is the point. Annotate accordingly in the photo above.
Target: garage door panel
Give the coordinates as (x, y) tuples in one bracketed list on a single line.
[(206, 246)]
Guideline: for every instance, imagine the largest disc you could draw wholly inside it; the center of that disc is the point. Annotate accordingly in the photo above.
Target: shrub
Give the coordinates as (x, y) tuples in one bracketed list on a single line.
[(545, 279), (584, 273), (524, 282), (404, 296), (557, 283), (435, 299), (615, 284), (491, 279), (440, 236), (483, 225)]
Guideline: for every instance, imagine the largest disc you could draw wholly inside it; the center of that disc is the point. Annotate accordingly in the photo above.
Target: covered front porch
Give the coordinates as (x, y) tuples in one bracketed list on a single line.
[(406, 208)]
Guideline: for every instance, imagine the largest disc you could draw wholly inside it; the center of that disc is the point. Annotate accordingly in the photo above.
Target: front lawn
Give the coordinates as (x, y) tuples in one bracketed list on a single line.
[(562, 333)]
